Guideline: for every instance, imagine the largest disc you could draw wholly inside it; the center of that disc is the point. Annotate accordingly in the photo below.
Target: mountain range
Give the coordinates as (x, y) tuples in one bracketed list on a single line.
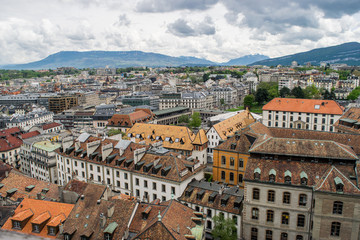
[(348, 53)]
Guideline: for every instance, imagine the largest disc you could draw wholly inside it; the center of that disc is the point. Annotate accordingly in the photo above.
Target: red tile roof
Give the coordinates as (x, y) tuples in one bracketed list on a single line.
[(304, 106), (30, 134), (50, 125)]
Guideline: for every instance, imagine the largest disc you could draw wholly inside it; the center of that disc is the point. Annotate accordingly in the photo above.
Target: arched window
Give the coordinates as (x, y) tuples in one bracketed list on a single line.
[(301, 220), (272, 175), (256, 194), (335, 229), (268, 235), (287, 177), (223, 160), (240, 178), (255, 213), (286, 197), (339, 185), (270, 216), (254, 234), (302, 199), (284, 236), (257, 173), (337, 207), (271, 196), (285, 218)]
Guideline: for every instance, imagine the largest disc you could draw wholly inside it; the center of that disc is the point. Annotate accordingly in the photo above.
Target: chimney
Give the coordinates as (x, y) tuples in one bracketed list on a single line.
[(92, 146), (106, 150), (102, 220), (61, 227), (110, 211), (138, 154)]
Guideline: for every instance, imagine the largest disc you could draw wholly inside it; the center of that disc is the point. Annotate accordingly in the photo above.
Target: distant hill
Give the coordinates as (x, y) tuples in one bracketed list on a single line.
[(245, 60), (348, 53), (122, 59), (118, 59)]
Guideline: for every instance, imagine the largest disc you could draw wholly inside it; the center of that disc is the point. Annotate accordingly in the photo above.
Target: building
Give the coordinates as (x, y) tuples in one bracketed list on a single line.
[(52, 127), (10, 142), (284, 176), (225, 96), (58, 104), (141, 99), (311, 114), (192, 100), (126, 167), (83, 119), (17, 186), (102, 114), (214, 199), (29, 120), (126, 121), (171, 116), (227, 128), (38, 159), (166, 220), (39, 218), (176, 138), (349, 122)]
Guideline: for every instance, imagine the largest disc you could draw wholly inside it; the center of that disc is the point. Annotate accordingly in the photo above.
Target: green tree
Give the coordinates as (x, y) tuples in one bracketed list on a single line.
[(224, 229), (222, 101), (298, 92), (284, 92), (249, 100), (312, 92), (184, 119), (113, 132), (195, 120), (354, 94), (261, 95), (205, 77)]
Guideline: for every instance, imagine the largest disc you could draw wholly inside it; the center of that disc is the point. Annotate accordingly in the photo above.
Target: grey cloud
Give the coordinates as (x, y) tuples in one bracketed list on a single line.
[(173, 5), (278, 16), (292, 37), (123, 20), (182, 28)]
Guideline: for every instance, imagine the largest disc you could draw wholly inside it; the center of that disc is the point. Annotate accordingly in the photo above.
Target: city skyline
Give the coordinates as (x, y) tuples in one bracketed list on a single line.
[(215, 30)]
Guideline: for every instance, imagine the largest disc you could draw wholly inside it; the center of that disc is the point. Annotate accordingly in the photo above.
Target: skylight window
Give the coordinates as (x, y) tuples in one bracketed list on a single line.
[(317, 106)]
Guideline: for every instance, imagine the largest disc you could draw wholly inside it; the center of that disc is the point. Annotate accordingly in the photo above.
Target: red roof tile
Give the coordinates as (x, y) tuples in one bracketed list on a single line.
[(50, 125)]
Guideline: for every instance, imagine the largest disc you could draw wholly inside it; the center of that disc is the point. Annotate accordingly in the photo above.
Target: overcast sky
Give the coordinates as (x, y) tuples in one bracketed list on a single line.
[(217, 30)]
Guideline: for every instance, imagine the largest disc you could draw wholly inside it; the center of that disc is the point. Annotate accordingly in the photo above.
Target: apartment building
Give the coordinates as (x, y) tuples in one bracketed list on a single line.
[(225, 96), (58, 104), (310, 114), (349, 122), (176, 138), (192, 100), (126, 167), (29, 120), (214, 199)]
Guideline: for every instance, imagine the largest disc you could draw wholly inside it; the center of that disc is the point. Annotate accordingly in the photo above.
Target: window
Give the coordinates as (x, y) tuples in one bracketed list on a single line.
[(315, 120), (270, 216), (136, 181), (255, 213), (36, 228), (291, 118), (268, 235), (99, 179), (256, 194), (75, 163), (209, 213), (117, 174), (240, 178), (271, 196), (286, 197), (232, 161), (154, 186), (16, 224), (209, 225), (98, 169), (299, 237), (107, 236), (235, 219), (118, 183), (302, 200), (126, 186), (223, 160), (284, 118), (241, 162), (323, 121), (301, 220), (335, 229), (223, 175), (254, 234), (125, 175), (52, 231), (163, 188), (91, 167), (231, 176), (337, 207), (283, 236), (285, 218), (154, 196), (108, 181), (173, 190), (272, 178), (82, 165), (145, 183)]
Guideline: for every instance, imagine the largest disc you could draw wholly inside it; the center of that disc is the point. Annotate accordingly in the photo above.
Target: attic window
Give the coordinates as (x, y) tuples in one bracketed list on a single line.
[(44, 190), (272, 175), (167, 139), (147, 167), (156, 168), (224, 200), (303, 178), (139, 165), (288, 177), (233, 146), (317, 107), (119, 161), (165, 171), (339, 185), (29, 188), (212, 197), (257, 173), (200, 195), (189, 192)]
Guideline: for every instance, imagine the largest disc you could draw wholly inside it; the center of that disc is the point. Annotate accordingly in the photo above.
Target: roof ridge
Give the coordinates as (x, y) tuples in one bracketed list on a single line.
[(344, 148), (253, 148), (322, 183)]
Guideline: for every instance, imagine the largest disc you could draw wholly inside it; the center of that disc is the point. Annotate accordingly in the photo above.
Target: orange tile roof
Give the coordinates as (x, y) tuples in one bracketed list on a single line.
[(200, 138), (56, 220), (304, 106), (38, 211), (229, 126)]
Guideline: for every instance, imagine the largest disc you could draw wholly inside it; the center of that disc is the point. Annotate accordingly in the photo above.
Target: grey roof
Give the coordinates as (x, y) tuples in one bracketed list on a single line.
[(123, 144), (83, 137)]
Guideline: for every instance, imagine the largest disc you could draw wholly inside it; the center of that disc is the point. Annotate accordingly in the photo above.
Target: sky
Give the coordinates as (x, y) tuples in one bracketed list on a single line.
[(218, 30)]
